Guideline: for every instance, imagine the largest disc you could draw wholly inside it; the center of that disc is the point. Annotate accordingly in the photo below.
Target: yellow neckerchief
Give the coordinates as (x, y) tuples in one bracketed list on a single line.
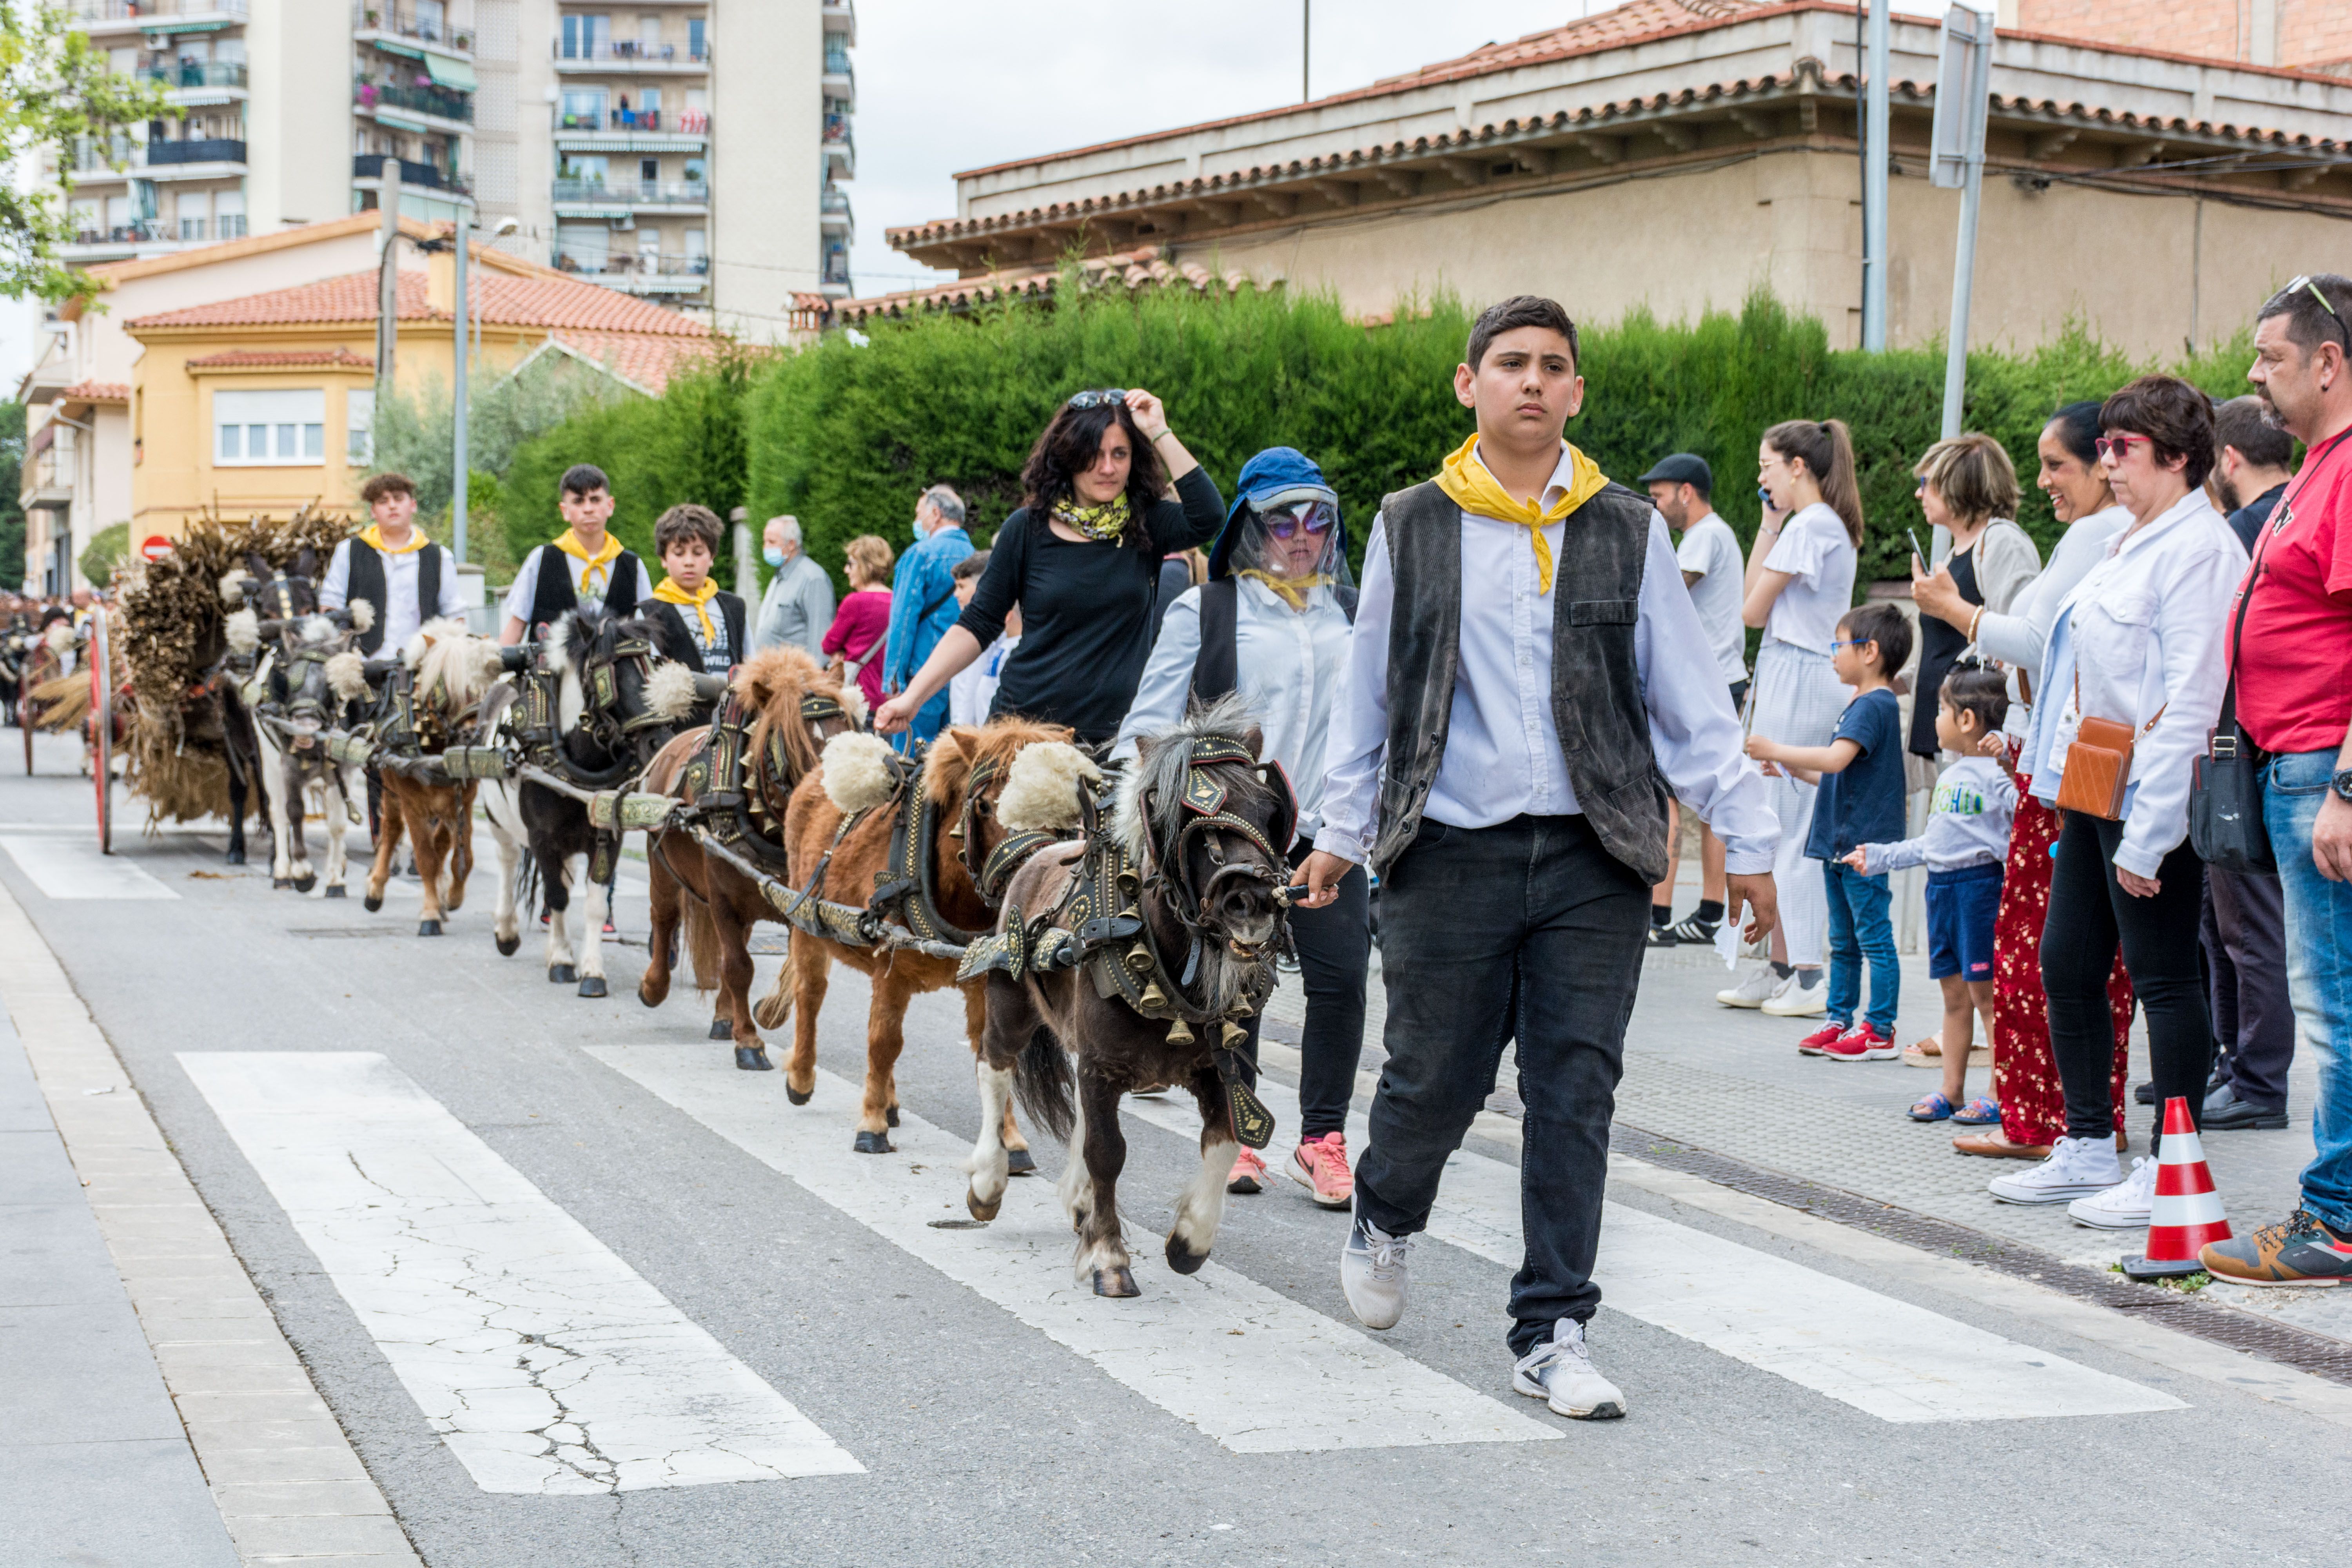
[(1474, 488), (670, 593), (1294, 589), (1103, 524), (372, 537), (599, 565)]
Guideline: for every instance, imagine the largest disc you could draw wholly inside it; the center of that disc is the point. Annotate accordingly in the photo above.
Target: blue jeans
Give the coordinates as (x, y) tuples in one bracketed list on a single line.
[(1861, 924), (2318, 972)]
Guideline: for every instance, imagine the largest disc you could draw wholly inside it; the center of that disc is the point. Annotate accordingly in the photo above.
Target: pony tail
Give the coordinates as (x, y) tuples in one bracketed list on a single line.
[(1840, 488)]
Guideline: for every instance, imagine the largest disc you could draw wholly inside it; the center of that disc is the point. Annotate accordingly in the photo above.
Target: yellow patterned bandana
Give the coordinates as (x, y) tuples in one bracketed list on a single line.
[(1472, 488), (1104, 524), (1293, 590)]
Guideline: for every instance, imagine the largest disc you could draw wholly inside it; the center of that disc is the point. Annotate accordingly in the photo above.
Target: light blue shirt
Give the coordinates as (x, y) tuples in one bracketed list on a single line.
[(922, 604)]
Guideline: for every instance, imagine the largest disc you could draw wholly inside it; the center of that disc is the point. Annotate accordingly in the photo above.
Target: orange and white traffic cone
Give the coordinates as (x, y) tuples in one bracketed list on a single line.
[(2187, 1211)]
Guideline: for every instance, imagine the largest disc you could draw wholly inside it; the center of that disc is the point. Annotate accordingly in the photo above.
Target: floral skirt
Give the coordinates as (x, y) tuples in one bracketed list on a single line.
[(2024, 1074)]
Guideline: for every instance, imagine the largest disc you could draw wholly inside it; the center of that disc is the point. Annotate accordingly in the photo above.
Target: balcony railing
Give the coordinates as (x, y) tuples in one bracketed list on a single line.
[(196, 73), (682, 122), (196, 150), (370, 166), (134, 10), (634, 193), (447, 102), (591, 264), (404, 22), (93, 156), (143, 232), (834, 201), (836, 63), (836, 128), (631, 51)]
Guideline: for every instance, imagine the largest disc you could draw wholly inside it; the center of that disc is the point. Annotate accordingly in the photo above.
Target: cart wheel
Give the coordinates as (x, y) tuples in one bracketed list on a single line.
[(101, 729), (25, 722)]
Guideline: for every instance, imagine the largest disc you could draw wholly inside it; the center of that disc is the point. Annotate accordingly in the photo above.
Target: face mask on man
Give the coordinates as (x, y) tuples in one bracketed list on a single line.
[(773, 554), (916, 528)]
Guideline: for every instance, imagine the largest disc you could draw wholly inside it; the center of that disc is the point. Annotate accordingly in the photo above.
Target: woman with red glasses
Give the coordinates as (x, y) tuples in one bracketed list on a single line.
[(1271, 623), (1081, 559), (2138, 645)]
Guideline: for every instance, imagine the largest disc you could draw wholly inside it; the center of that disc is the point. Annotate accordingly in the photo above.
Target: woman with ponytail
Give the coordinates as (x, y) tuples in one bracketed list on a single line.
[(1800, 581)]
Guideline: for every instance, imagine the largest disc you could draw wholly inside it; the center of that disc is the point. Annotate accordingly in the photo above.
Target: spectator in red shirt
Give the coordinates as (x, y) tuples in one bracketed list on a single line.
[(857, 638), (2295, 705)]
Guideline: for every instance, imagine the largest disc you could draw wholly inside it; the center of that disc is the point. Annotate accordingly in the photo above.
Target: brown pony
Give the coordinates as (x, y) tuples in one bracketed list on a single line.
[(452, 671), (719, 904), (1030, 775)]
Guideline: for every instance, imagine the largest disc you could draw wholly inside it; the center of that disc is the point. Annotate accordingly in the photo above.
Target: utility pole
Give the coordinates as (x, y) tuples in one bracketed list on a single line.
[(1306, 47), (1963, 88), (1873, 182), (387, 281), (457, 403)]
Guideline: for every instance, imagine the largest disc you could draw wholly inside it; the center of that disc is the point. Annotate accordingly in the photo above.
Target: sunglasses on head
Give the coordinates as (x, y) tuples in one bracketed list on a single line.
[(2300, 285), (1315, 516), (1099, 398)]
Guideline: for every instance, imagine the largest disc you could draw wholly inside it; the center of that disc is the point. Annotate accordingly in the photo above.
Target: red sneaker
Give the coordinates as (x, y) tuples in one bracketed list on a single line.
[(1248, 1173), (1859, 1044), (1320, 1165), (1818, 1042)]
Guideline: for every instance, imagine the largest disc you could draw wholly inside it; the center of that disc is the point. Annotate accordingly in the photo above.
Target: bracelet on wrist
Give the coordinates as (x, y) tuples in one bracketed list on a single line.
[(1972, 623), (1164, 433)]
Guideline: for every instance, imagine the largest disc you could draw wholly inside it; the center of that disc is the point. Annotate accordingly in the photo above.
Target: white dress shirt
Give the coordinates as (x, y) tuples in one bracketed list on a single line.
[(1287, 663), (400, 618), (1503, 756), (2139, 640), (589, 585)]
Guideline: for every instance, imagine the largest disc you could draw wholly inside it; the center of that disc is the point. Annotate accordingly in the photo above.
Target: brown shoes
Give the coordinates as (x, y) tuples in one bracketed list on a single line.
[(1995, 1143)]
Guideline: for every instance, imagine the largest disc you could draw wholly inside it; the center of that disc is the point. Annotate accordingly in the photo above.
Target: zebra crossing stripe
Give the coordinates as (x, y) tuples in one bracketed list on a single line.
[(1249, 1367), (1883, 1356), (546, 1363)]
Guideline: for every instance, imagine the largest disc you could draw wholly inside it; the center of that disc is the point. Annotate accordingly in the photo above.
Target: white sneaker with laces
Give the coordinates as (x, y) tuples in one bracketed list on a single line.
[(1561, 1371), (2126, 1205), (2076, 1168), (1753, 990), (1372, 1275), (1798, 1000)]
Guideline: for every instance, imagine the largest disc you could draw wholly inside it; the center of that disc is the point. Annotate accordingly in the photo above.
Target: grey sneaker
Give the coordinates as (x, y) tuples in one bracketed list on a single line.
[(1561, 1371), (1798, 1000), (1372, 1275), (1754, 989)]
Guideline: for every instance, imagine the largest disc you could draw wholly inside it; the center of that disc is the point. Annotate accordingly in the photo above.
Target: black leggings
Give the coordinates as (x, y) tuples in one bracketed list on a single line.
[(2089, 912), (1335, 954)]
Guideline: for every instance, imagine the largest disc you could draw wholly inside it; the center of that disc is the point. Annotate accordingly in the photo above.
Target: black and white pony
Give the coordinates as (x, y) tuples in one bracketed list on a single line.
[(616, 706), (309, 684)]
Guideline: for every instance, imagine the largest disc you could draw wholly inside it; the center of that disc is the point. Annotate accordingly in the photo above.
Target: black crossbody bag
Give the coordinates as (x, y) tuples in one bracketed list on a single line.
[(2225, 791)]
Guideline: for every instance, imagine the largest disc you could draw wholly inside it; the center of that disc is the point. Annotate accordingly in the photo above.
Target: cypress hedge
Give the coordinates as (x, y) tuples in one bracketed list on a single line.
[(846, 433)]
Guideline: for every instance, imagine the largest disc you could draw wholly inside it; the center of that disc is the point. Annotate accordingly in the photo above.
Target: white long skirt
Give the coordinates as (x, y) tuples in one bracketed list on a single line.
[(1796, 701)]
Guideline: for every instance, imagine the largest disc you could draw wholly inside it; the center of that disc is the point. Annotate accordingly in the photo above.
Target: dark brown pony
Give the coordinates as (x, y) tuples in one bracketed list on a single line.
[(715, 903), (1008, 798), (1207, 889)]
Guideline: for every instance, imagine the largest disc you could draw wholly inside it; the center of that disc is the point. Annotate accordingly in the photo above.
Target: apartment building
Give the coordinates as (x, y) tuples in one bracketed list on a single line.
[(586, 130)]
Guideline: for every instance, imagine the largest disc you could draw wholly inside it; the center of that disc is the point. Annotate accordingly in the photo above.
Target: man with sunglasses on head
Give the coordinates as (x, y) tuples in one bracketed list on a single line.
[(2291, 637), (1272, 623)]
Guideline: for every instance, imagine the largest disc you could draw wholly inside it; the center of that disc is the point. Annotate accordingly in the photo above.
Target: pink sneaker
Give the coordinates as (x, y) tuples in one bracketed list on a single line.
[(1320, 1165), (1859, 1044), (1818, 1042), (1248, 1173)]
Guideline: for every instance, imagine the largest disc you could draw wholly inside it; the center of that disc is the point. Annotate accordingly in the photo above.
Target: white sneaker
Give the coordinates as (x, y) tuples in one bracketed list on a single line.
[(2076, 1168), (1562, 1372), (2124, 1206), (1758, 985), (1372, 1275), (1798, 1000)]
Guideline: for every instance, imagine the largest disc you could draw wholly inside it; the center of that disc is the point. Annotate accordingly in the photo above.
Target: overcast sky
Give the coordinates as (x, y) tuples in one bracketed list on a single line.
[(945, 85)]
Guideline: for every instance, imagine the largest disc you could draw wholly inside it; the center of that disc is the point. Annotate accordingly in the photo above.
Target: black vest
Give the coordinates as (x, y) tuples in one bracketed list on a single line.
[(365, 580), (1216, 668), (1596, 686), (673, 640), (552, 596)]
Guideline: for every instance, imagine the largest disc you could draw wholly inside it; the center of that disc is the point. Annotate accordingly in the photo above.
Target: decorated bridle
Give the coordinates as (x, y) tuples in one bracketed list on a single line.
[(1168, 866)]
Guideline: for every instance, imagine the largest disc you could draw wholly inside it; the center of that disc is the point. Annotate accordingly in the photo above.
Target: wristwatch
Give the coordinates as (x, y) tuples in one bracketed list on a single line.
[(2342, 783)]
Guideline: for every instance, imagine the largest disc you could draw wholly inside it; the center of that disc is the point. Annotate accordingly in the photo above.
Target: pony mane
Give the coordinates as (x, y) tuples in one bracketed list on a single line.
[(773, 681), (449, 662), (318, 631), (1158, 771), (948, 767)]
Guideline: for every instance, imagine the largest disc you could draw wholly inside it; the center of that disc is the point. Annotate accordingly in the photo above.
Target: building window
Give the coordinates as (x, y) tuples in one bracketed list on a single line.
[(583, 108), (228, 215), (358, 426), (694, 37), (587, 38), (257, 429)]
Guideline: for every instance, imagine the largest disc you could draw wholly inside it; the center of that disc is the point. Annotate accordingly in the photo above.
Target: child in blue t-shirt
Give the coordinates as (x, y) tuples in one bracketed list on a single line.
[(1861, 802)]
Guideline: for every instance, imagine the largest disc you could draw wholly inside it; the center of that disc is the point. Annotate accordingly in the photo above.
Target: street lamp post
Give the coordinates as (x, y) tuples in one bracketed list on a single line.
[(458, 498), (1963, 86)]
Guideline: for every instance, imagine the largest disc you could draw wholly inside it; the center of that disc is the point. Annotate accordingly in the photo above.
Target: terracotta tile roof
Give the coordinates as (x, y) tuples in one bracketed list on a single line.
[(96, 392), (243, 359), (644, 359), (1130, 269), (497, 299), (351, 298)]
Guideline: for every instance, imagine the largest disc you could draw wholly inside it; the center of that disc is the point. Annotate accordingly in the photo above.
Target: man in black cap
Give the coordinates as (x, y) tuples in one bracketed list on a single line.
[(1713, 569)]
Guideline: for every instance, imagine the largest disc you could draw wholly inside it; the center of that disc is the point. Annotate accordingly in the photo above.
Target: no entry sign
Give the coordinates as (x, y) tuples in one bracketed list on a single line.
[(154, 547)]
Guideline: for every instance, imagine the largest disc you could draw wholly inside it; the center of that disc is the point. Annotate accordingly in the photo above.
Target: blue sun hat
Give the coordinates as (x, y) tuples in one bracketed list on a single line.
[(1275, 476)]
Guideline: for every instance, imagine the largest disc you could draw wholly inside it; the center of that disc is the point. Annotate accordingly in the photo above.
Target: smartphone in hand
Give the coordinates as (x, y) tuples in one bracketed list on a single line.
[(1917, 553)]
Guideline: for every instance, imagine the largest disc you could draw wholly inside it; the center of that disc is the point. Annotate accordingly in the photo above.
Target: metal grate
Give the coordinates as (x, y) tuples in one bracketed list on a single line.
[(2282, 1343)]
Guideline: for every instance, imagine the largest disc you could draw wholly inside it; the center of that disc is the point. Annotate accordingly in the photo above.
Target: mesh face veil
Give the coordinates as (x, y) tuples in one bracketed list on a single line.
[(1292, 543)]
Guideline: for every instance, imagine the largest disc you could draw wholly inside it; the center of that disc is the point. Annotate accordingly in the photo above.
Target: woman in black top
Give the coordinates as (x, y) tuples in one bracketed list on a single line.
[(1081, 558)]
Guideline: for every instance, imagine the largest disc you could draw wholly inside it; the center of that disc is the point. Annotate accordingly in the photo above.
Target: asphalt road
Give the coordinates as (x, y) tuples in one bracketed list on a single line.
[(950, 1395)]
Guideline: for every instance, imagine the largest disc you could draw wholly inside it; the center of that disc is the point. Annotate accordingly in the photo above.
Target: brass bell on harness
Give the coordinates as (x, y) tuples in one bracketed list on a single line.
[(1153, 995), (1180, 1033), (1236, 1035)]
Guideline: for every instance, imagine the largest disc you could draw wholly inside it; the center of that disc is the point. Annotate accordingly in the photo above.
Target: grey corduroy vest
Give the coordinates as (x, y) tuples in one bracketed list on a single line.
[(1596, 687)]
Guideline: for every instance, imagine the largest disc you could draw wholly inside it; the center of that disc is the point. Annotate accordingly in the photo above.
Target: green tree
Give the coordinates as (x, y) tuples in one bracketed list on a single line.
[(57, 94), (12, 515), (104, 552)]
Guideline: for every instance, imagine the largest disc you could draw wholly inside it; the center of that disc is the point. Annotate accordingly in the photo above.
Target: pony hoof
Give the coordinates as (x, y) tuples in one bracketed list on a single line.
[(593, 985), (1017, 1162), (428, 928), (980, 1211), (891, 1116), (281, 881), (561, 973), (648, 1001), (372, 904), (236, 858), (1183, 1258), (1117, 1281), (802, 1097), (721, 1029), (874, 1144), (337, 892), (304, 884), (753, 1058), (507, 944)]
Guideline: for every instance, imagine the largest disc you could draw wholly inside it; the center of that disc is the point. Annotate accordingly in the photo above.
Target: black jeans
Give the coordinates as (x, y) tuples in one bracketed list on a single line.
[(1335, 955), (2244, 938), (1528, 929), (2089, 912)]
